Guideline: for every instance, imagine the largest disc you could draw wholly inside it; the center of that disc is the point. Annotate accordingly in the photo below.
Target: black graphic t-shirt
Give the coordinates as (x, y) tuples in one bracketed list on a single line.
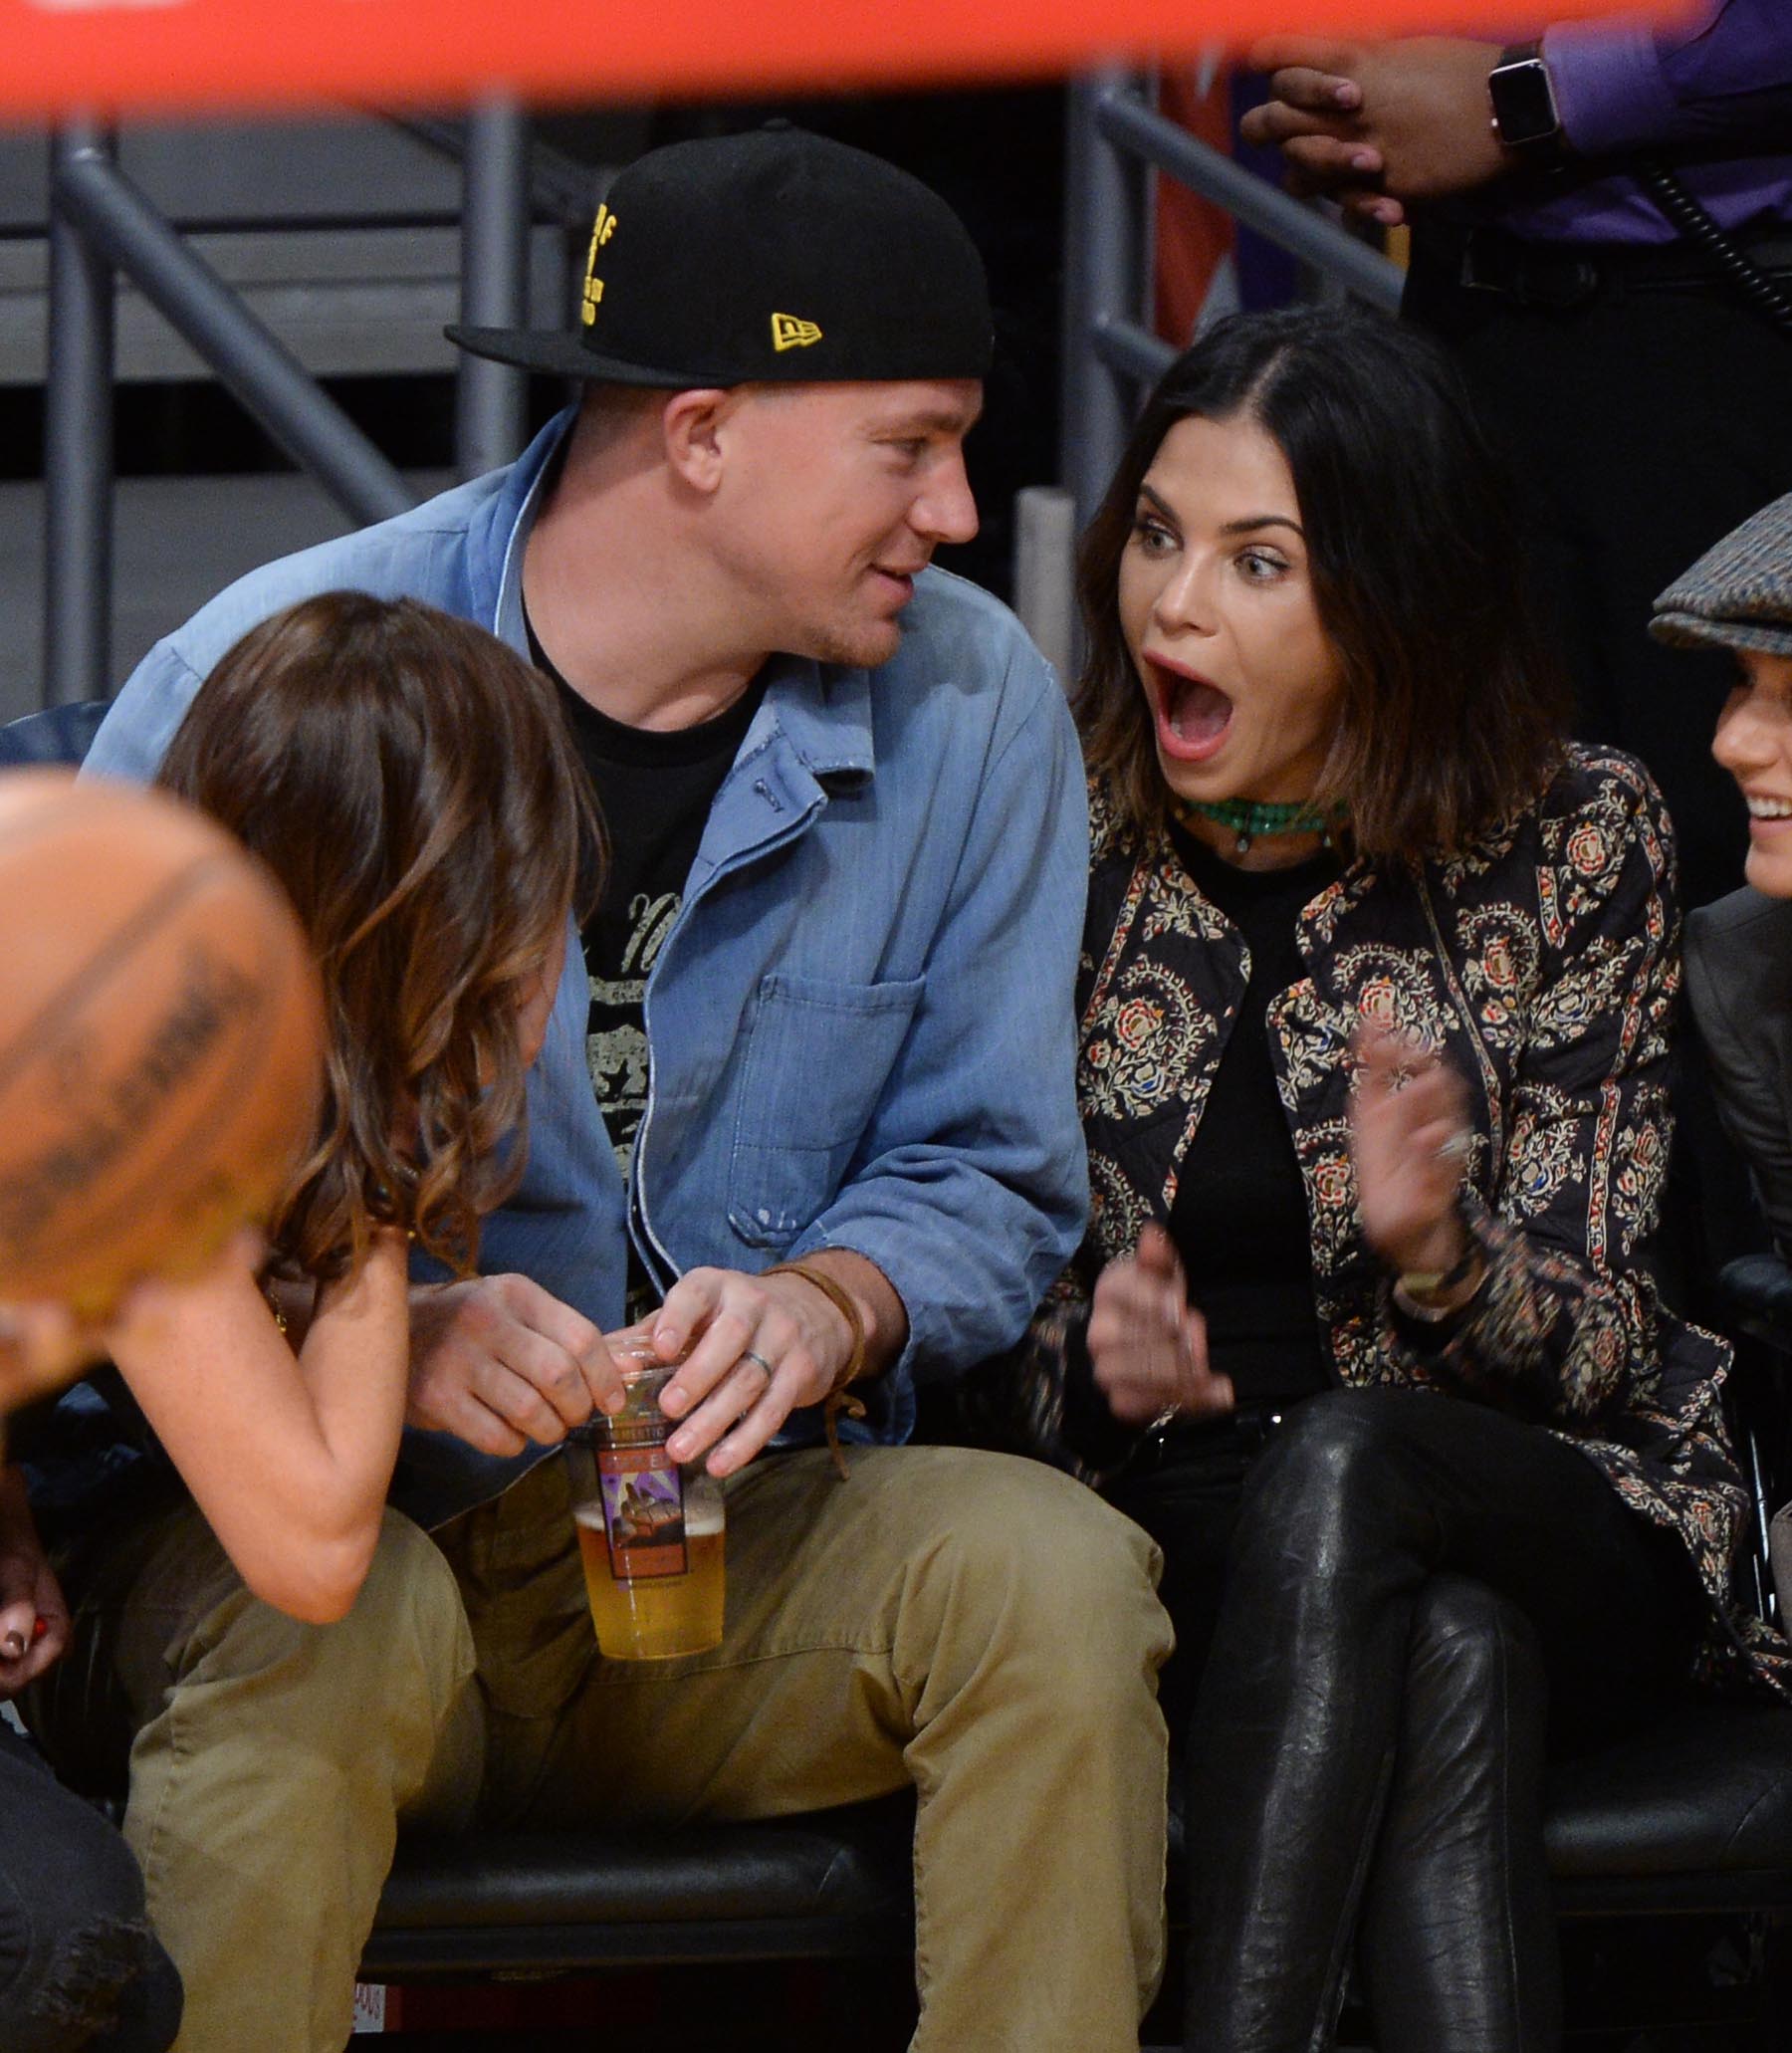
[(654, 790)]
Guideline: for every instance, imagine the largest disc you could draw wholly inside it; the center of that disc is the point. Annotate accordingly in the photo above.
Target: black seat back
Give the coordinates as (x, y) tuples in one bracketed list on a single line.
[(60, 734)]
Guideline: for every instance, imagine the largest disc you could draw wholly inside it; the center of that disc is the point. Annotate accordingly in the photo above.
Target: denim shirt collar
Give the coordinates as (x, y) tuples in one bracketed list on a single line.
[(498, 531)]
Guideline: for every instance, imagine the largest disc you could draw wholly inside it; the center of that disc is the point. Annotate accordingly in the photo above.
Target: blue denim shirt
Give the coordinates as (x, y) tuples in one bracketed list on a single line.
[(861, 1024)]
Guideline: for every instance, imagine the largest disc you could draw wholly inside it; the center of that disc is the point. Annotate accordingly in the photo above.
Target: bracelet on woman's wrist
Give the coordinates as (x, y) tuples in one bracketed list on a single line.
[(1432, 1296)]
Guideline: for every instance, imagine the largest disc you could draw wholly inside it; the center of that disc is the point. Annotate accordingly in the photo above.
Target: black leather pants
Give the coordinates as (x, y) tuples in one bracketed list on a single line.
[(1412, 1593)]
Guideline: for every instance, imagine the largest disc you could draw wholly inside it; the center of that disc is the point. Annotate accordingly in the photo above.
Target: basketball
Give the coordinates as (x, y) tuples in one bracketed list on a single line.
[(161, 1038)]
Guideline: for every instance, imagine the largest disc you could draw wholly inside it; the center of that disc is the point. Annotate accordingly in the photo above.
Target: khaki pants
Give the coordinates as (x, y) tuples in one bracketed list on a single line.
[(975, 1624)]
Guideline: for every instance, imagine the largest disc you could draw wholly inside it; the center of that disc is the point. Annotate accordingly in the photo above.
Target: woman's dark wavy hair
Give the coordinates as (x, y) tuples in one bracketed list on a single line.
[(1454, 702), (411, 782)]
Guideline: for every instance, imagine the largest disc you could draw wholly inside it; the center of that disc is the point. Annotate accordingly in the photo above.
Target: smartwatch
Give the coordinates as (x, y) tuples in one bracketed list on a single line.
[(1527, 121)]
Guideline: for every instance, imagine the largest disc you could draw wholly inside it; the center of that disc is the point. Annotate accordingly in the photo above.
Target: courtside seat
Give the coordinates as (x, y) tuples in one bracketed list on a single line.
[(830, 1884), (1696, 1813), (1692, 1814), (60, 734)]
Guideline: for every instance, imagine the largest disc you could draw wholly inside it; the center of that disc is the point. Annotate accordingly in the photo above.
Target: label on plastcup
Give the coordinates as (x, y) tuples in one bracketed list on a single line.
[(643, 1513)]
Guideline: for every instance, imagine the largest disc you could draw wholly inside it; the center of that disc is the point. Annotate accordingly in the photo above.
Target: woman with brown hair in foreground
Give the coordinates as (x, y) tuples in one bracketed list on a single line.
[(1375, 1002), (408, 781)]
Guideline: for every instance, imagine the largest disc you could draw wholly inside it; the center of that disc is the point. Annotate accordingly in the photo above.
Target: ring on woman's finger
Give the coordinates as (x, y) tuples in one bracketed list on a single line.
[(1455, 1148), (748, 1355)]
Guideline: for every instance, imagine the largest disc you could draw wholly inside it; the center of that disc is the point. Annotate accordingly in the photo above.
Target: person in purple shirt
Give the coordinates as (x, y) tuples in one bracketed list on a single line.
[(1646, 401)]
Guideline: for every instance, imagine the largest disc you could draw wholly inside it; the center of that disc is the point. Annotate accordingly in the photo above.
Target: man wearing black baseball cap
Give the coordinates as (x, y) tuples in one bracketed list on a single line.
[(806, 1110)]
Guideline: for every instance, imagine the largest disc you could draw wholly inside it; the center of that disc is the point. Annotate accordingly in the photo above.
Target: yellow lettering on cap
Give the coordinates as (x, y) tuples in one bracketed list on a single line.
[(787, 332), (601, 230)]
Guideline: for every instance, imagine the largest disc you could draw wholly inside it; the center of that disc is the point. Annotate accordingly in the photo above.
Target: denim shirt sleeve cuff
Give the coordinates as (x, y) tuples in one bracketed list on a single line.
[(1609, 86)]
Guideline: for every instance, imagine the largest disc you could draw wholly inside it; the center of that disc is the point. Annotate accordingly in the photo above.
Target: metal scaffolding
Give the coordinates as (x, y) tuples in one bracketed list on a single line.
[(103, 228), (490, 399), (1116, 140)]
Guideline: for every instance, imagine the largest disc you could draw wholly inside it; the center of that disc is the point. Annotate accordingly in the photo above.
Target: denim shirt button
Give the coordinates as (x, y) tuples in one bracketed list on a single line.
[(765, 1217)]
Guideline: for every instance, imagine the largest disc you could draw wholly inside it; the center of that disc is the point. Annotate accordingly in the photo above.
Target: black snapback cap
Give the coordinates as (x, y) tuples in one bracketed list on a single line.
[(776, 256)]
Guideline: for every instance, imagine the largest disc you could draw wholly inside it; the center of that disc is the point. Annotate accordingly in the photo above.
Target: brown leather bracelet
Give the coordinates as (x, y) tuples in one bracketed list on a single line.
[(837, 1399)]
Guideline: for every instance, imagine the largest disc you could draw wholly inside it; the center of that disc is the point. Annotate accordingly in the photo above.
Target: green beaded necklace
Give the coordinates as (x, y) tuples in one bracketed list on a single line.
[(1250, 817)]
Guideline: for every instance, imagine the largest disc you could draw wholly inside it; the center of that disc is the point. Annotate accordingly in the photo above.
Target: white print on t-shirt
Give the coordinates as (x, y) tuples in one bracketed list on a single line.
[(616, 1054)]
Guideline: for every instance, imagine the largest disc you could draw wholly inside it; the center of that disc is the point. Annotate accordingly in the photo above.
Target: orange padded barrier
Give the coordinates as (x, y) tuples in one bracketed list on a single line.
[(100, 56)]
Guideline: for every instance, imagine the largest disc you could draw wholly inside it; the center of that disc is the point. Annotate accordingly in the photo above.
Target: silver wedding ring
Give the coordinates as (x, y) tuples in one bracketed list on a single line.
[(1455, 1148), (748, 1355)]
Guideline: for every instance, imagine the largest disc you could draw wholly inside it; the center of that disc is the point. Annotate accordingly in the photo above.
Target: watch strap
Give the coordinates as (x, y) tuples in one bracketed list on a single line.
[(1521, 71)]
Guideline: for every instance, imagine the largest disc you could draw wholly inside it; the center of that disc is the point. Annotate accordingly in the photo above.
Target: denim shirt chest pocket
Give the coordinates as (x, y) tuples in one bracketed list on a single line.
[(819, 1055)]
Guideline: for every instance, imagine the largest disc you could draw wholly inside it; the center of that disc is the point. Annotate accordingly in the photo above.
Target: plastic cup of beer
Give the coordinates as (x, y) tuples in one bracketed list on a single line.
[(650, 1532)]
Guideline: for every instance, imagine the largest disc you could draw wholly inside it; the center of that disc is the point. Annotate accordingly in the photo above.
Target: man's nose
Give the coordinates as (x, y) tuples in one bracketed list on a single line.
[(946, 510)]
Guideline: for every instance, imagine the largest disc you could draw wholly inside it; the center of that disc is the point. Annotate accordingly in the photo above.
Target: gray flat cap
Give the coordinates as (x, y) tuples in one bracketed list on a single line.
[(1740, 593)]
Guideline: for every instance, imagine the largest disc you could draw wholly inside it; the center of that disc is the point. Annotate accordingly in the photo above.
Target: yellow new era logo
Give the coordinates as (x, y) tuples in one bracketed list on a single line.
[(602, 231), (787, 332)]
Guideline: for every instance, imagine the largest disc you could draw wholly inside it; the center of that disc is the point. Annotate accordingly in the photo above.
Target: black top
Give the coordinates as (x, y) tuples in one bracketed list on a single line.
[(654, 790), (1240, 1219)]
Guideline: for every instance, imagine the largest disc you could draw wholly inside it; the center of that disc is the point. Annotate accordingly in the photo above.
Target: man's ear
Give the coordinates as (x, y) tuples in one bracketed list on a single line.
[(692, 426)]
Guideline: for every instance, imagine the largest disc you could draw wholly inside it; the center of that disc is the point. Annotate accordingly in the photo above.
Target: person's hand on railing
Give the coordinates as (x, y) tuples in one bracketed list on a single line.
[(1375, 125)]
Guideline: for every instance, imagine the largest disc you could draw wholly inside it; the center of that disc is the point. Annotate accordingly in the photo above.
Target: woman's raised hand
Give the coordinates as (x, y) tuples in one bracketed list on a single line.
[(1147, 1343), (1409, 1133)]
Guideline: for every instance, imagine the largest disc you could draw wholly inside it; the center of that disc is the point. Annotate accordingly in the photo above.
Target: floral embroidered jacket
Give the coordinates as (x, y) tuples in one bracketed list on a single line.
[(1544, 963)]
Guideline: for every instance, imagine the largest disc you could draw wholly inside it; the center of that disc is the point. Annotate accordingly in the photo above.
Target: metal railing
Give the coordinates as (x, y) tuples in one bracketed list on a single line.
[(1116, 139), (490, 399), (102, 227), (508, 178)]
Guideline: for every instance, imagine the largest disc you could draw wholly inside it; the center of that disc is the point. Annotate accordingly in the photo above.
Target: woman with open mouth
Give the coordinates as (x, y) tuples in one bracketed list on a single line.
[(1377, 987)]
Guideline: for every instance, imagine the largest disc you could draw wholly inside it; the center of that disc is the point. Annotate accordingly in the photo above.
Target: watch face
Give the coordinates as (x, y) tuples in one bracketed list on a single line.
[(1523, 105)]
